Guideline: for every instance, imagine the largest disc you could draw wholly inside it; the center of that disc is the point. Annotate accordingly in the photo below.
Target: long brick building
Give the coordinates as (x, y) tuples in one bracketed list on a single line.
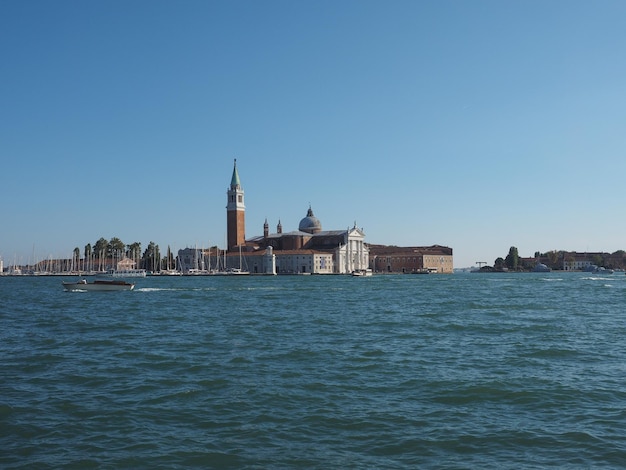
[(411, 259)]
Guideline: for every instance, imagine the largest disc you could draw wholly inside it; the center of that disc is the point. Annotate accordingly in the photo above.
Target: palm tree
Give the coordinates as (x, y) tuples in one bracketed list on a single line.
[(114, 249), (133, 251), (87, 257), (100, 249), (76, 259)]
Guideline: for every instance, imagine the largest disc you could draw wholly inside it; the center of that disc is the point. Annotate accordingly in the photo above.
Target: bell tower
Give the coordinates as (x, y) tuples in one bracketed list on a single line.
[(235, 212)]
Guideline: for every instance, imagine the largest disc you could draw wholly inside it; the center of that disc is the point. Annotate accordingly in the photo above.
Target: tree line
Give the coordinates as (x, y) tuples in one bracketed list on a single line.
[(115, 249), (555, 260)]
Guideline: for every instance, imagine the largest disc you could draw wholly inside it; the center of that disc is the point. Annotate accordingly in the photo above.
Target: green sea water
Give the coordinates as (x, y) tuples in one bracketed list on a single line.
[(392, 371)]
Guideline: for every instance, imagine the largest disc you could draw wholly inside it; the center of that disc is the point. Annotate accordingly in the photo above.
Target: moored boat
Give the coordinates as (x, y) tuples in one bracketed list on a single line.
[(237, 272), (98, 285), (127, 273), (603, 270), (541, 268), (170, 272)]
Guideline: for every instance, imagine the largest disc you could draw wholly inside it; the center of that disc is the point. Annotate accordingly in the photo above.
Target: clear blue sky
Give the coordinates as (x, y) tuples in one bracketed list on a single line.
[(478, 125)]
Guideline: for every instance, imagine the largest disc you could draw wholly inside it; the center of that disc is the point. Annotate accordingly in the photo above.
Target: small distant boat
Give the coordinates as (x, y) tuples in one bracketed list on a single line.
[(170, 272), (240, 271), (541, 268), (216, 272), (237, 272), (98, 285), (362, 273), (127, 273), (603, 270), (197, 272)]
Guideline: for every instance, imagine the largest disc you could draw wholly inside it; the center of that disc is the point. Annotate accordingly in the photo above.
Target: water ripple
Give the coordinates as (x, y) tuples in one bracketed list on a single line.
[(463, 371)]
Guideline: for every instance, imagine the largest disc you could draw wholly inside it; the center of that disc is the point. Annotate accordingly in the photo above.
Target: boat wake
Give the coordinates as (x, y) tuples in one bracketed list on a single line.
[(174, 289)]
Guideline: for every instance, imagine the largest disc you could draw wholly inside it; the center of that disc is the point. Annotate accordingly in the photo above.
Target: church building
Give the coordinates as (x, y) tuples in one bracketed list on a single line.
[(308, 250)]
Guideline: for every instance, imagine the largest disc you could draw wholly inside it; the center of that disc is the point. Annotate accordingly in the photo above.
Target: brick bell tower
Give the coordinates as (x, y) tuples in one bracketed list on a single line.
[(235, 212)]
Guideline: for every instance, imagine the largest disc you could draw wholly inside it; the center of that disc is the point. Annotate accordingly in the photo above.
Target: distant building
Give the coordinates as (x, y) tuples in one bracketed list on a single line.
[(191, 259), (312, 250), (411, 259), (308, 250), (573, 261), (577, 262), (268, 261), (126, 263)]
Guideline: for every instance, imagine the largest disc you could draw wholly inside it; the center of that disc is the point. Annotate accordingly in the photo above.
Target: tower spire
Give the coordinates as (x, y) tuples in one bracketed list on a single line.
[(235, 212), (235, 183)]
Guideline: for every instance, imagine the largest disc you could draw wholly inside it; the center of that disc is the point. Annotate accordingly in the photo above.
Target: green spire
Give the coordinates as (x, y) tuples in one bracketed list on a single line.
[(234, 182)]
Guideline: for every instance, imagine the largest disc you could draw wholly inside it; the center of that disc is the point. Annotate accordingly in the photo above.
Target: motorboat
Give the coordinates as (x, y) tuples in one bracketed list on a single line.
[(541, 268), (603, 270), (98, 285), (362, 273)]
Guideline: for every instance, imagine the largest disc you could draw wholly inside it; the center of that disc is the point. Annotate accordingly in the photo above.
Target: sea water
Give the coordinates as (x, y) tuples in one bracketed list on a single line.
[(392, 371)]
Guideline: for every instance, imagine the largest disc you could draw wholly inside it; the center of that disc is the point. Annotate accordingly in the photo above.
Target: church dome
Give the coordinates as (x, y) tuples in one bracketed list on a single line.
[(310, 223)]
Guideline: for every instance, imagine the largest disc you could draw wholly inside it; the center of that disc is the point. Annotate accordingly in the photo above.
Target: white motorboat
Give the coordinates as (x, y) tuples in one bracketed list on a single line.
[(98, 285), (541, 268), (362, 273), (603, 270)]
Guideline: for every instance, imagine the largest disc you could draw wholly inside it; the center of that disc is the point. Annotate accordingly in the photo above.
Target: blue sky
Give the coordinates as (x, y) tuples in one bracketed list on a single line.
[(478, 125)]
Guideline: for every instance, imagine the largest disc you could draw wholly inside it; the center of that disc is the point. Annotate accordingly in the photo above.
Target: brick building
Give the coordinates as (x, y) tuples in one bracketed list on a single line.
[(411, 259)]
